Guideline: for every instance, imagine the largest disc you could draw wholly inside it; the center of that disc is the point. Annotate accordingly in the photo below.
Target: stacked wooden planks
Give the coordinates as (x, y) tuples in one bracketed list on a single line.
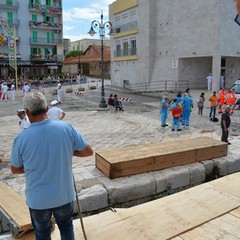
[(127, 161), (210, 211), (14, 206)]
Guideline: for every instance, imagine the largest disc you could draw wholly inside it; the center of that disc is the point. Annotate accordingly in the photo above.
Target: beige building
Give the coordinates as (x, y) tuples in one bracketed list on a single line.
[(175, 42), (83, 44)]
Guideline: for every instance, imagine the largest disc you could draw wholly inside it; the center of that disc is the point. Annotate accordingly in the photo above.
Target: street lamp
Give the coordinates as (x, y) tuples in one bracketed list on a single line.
[(101, 25)]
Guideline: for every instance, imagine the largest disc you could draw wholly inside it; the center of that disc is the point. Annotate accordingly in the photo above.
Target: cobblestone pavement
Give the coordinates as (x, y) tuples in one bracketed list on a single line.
[(138, 124)]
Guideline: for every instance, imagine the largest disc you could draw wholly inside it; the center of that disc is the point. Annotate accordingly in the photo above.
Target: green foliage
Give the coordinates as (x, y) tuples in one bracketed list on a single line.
[(74, 54)]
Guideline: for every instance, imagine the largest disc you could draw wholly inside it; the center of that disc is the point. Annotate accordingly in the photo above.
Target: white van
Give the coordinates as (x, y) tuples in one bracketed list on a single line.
[(236, 87)]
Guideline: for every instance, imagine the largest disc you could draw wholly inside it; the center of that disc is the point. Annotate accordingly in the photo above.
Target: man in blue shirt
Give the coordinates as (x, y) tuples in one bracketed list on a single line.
[(44, 153), (164, 111), (187, 105)]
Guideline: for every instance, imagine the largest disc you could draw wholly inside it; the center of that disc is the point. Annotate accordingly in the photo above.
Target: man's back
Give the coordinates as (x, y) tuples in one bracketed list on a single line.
[(46, 148)]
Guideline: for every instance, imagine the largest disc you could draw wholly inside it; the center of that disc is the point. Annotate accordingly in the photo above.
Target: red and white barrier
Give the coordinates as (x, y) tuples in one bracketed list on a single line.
[(78, 93), (124, 99)]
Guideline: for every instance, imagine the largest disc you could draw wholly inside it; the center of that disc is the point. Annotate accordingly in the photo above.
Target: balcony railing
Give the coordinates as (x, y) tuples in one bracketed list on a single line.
[(45, 41), (45, 8), (57, 26), (12, 4), (125, 52), (46, 58), (126, 27), (14, 22)]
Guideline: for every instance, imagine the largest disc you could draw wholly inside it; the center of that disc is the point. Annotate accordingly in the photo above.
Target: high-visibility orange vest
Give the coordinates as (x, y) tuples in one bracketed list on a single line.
[(229, 98)]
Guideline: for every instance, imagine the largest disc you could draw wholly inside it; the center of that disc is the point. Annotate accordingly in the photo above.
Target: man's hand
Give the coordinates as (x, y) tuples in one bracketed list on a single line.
[(17, 170)]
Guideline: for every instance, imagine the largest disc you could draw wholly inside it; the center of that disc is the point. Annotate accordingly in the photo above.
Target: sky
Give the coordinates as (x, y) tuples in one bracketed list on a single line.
[(78, 15)]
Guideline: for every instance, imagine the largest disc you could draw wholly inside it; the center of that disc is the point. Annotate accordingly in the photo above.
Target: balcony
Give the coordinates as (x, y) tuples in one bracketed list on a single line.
[(13, 22), (46, 58), (5, 55), (45, 41), (126, 27), (46, 25), (9, 4), (125, 52), (47, 9)]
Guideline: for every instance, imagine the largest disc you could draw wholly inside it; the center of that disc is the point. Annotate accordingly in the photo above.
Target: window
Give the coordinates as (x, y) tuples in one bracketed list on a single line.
[(34, 18), (133, 47), (34, 37), (118, 50), (48, 37), (10, 17), (9, 2), (133, 16), (125, 48), (124, 18)]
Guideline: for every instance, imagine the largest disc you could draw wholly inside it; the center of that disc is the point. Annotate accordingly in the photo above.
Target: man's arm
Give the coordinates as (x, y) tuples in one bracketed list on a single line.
[(62, 116), (17, 170), (86, 152)]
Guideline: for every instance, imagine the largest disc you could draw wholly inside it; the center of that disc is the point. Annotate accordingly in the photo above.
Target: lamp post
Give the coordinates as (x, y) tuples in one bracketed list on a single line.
[(101, 25)]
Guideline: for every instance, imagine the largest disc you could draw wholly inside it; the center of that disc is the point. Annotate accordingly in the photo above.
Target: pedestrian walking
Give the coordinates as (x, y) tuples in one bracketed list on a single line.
[(222, 99), (222, 80), (225, 124), (164, 111), (26, 89), (13, 91), (44, 153), (200, 103), (213, 106), (209, 81), (187, 106), (4, 95), (59, 92), (55, 113)]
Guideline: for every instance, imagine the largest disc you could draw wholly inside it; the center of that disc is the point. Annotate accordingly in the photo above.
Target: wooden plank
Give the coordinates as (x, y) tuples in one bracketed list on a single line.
[(171, 217), (15, 206), (224, 227), (139, 159)]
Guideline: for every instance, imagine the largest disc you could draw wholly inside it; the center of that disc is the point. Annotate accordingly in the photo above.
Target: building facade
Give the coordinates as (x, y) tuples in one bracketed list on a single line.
[(39, 35), (174, 41), (83, 44)]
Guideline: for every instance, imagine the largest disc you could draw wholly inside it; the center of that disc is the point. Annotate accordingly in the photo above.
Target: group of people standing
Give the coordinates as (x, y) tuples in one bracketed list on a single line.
[(181, 108), (4, 91)]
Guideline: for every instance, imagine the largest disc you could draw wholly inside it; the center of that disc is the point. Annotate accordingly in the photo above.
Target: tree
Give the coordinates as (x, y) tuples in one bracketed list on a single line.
[(74, 54)]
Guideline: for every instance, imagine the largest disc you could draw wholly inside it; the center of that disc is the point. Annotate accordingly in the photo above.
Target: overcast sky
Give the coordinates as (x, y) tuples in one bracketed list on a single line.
[(78, 15)]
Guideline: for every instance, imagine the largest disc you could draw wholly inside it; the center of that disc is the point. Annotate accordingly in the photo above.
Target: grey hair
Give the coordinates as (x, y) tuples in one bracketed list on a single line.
[(35, 102)]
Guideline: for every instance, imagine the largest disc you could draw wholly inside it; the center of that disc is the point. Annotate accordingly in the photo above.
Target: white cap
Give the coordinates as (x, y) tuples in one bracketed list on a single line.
[(21, 110), (54, 102)]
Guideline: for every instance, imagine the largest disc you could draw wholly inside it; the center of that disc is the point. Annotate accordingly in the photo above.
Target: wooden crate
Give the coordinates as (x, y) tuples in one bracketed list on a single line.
[(127, 161)]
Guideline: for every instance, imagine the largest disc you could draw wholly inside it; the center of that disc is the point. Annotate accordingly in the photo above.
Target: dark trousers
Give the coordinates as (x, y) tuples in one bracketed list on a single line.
[(41, 221), (200, 110), (224, 136), (212, 112)]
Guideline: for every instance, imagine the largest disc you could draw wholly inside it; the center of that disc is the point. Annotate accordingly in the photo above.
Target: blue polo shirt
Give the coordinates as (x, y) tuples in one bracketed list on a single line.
[(45, 150), (187, 103), (164, 104)]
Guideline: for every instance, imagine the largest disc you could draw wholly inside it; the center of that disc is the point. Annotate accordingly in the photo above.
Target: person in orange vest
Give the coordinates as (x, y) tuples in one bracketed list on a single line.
[(222, 98)]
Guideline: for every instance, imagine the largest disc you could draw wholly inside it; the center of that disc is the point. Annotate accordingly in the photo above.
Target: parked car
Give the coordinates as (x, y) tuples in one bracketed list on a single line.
[(236, 87)]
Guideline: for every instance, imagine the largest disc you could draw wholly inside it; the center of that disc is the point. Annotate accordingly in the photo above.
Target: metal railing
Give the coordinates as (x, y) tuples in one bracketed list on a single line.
[(125, 52), (45, 41), (159, 86), (46, 58), (45, 8), (9, 4), (125, 27)]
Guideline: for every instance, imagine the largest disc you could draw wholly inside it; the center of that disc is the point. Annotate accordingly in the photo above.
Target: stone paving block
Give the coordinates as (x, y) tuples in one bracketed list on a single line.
[(130, 188), (221, 166), (177, 177), (233, 165), (93, 198), (208, 165), (197, 173)]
